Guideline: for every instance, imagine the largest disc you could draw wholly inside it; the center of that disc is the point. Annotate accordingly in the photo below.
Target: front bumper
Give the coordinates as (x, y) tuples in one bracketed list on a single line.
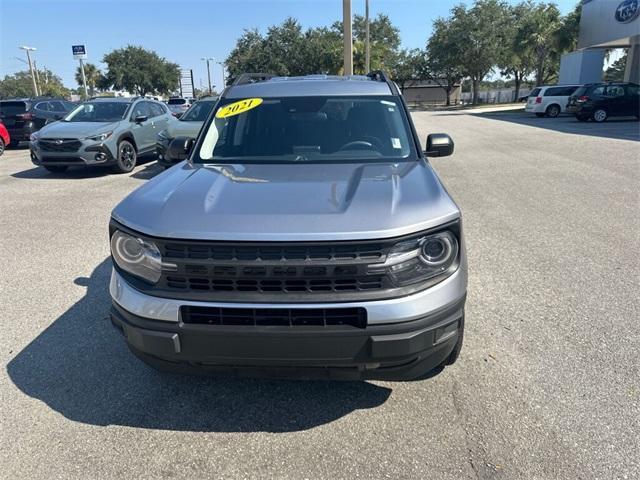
[(404, 339), (89, 153), (22, 134)]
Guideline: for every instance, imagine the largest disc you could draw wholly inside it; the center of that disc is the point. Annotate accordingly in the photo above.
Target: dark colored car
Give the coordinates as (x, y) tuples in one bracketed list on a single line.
[(5, 138), (188, 125), (24, 116), (599, 101)]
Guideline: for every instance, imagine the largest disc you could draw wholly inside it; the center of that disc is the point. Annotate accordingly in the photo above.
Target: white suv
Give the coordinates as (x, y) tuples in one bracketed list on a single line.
[(549, 101)]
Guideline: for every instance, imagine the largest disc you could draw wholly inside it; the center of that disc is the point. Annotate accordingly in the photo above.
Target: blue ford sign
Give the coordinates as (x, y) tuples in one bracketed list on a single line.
[(627, 11), (79, 51)]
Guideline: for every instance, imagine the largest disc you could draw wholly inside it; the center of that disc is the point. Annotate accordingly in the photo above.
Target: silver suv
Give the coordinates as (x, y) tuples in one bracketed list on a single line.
[(104, 131), (306, 235)]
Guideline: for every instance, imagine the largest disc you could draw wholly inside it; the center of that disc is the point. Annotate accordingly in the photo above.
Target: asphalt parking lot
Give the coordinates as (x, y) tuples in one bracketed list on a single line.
[(546, 387)]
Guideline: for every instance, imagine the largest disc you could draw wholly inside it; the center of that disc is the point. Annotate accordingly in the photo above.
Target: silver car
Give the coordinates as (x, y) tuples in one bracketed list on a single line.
[(306, 235), (188, 125), (105, 131)]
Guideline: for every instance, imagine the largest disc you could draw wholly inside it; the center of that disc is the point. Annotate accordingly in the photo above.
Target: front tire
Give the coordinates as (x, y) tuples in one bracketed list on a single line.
[(127, 157), (56, 168), (600, 115), (553, 111)]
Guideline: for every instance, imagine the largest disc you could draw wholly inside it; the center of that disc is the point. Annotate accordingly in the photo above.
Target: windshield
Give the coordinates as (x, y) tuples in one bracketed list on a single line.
[(98, 112), (198, 112), (312, 129)]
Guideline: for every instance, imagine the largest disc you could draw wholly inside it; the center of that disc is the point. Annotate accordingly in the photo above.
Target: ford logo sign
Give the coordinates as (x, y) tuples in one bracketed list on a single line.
[(628, 11)]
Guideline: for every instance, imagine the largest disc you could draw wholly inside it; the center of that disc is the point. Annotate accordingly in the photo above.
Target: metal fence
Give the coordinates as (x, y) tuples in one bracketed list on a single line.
[(504, 95)]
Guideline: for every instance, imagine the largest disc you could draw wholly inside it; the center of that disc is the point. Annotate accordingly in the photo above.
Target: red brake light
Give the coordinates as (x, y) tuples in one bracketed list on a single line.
[(583, 98), (25, 116), (538, 99)]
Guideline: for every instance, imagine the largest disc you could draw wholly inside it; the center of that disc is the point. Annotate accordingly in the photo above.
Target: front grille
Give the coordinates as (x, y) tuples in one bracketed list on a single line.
[(277, 253), (59, 144), (354, 284), (282, 317), (228, 271)]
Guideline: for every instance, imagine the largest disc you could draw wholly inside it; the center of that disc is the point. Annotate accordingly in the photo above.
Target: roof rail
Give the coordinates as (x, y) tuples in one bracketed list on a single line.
[(245, 78), (381, 76)]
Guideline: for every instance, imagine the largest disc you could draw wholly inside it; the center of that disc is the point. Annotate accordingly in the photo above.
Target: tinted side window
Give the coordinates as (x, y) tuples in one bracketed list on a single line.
[(156, 109), (58, 106), (534, 92), (141, 109), (570, 91), (553, 92), (68, 106), (615, 91), (598, 90), (43, 106), (633, 90)]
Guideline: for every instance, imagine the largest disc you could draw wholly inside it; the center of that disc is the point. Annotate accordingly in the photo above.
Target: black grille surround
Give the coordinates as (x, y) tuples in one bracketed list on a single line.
[(276, 272), (59, 144)]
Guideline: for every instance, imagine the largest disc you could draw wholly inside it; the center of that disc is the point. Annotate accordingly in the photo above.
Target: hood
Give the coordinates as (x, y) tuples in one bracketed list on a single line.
[(75, 129), (183, 129), (288, 202)]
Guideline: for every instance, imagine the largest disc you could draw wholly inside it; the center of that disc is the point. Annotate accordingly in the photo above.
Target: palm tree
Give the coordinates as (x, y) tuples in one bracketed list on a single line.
[(92, 74)]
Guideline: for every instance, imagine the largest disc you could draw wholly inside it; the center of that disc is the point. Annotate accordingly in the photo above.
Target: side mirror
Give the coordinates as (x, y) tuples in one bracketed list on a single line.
[(439, 145), (180, 147), (141, 118)]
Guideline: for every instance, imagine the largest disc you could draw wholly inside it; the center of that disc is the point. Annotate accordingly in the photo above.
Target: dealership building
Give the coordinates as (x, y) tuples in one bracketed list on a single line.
[(604, 24)]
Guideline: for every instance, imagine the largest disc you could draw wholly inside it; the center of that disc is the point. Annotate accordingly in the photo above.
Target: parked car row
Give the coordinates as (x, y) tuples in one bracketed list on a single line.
[(594, 101), (100, 132), (24, 116)]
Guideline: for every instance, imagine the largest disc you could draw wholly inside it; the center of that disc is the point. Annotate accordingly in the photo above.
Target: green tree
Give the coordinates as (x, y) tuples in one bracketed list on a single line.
[(410, 65), (93, 76), (445, 56), (615, 72), (516, 58), (538, 34), (286, 50), (141, 71), (479, 35), (19, 84), (384, 41)]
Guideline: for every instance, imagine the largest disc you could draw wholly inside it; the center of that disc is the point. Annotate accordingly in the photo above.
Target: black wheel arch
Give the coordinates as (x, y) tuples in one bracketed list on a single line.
[(128, 136)]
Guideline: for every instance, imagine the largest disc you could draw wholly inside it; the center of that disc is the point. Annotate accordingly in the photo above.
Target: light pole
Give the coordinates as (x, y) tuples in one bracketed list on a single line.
[(347, 40), (33, 77), (207, 59), (38, 83), (367, 47), (223, 79)]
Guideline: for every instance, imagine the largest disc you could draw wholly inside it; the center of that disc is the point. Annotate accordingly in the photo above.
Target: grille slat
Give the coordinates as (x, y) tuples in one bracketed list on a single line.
[(277, 317), (59, 144)]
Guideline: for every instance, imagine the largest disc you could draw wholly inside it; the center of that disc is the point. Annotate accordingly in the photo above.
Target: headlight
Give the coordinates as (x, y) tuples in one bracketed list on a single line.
[(33, 137), (418, 260), (136, 256), (100, 138)]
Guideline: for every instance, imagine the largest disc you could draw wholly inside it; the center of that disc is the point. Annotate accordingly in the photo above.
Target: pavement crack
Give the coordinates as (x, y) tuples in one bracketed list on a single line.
[(458, 409)]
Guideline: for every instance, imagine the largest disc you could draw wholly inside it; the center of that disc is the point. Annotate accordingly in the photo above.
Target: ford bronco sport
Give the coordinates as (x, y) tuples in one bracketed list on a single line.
[(305, 235)]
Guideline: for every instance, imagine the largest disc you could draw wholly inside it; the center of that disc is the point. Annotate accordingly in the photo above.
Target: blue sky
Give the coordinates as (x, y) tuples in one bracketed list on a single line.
[(182, 31)]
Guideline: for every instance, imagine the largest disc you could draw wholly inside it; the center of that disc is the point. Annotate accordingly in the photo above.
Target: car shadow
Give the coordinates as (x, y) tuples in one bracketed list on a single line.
[(148, 172), (623, 128), (80, 367)]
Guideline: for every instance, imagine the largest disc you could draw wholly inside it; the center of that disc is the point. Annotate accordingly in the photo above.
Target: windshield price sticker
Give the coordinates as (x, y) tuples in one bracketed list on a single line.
[(236, 108)]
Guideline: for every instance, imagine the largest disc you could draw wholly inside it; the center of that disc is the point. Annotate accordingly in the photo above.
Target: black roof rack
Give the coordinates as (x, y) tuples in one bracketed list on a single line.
[(381, 76), (245, 78)]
